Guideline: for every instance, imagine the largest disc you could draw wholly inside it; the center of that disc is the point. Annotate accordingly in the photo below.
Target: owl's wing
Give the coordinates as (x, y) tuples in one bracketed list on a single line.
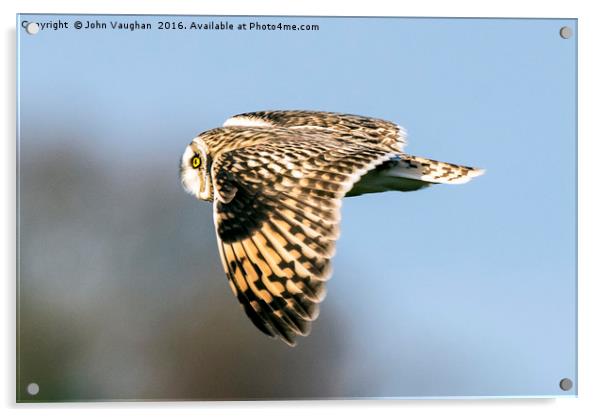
[(276, 212), (369, 130)]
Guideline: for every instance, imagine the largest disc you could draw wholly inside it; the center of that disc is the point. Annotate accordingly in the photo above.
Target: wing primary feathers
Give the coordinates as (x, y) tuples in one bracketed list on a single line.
[(278, 248), (279, 323), (282, 300), (273, 303), (297, 271), (314, 266), (290, 287), (259, 320)]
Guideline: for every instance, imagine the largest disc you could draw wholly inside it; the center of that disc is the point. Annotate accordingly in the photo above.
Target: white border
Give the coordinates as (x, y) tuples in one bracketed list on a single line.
[(590, 272)]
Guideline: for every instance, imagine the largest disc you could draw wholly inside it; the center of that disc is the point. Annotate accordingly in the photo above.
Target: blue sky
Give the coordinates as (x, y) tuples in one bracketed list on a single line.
[(453, 290)]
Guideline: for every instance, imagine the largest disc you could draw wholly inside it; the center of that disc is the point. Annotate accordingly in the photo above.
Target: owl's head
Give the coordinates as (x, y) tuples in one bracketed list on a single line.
[(195, 170)]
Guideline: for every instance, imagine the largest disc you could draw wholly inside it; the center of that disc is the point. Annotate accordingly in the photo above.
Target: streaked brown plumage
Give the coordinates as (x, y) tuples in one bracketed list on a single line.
[(277, 179)]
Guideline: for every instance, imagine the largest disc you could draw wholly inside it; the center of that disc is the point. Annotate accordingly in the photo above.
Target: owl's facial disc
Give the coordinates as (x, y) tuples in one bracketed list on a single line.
[(194, 172)]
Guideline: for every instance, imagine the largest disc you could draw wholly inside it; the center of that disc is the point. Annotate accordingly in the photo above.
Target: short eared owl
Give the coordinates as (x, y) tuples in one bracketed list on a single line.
[(276, 179)]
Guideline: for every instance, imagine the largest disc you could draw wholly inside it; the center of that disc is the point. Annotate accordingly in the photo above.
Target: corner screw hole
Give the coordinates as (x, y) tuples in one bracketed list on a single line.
[(33, 389), (32, 28), (566, 384), (566, 32)]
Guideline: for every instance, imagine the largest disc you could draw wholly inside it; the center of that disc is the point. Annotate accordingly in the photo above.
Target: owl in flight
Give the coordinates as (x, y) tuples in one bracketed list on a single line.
[(277, 179)]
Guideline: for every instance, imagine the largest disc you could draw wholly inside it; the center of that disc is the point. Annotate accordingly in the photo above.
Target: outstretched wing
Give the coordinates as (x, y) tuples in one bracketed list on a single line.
[(276, 209), (360, 128)]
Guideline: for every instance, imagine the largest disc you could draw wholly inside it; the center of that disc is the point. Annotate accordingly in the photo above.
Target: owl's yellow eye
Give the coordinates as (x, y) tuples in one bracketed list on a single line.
[(195, 162)]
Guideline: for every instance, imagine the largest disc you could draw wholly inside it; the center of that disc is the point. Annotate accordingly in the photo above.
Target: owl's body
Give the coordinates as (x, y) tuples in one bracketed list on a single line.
[(276, 180)]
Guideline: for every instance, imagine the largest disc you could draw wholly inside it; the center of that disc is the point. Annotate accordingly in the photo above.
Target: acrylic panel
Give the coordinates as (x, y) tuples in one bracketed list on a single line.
[(451, 290)]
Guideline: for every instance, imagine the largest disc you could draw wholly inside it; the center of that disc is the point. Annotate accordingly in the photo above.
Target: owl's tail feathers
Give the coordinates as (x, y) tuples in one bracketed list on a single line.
[(431, 171), (411, 173)]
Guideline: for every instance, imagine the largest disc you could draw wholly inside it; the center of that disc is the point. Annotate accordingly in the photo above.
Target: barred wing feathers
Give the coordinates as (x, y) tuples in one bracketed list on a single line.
[(277, 209)]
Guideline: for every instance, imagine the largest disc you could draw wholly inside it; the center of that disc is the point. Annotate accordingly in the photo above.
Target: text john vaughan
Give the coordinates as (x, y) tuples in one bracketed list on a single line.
[(96, 24)]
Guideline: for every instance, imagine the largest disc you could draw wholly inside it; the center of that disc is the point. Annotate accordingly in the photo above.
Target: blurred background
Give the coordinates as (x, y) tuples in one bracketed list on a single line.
[(451, 291)]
